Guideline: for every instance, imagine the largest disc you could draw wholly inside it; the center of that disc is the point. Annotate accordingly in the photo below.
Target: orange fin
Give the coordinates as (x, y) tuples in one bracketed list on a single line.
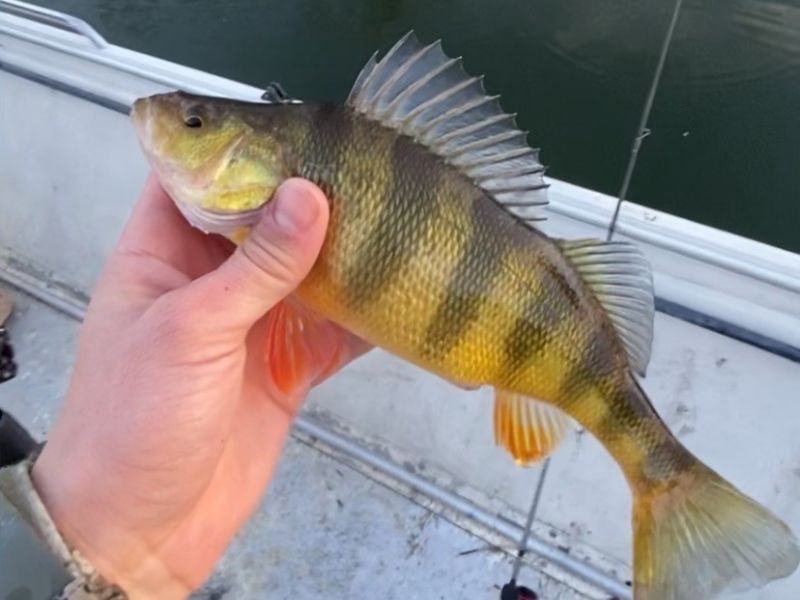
[(302, 347), (527, 428)]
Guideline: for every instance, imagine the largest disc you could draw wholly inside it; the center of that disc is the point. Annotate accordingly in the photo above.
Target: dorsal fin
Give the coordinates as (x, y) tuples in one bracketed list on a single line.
[(421, 92), (620, 277)]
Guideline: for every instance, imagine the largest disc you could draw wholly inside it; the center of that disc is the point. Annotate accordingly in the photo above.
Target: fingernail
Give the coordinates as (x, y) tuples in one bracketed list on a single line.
[(295, 209)]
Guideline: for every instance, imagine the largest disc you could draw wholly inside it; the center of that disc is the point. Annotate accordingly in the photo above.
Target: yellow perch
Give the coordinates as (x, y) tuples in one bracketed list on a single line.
[(433, 254)]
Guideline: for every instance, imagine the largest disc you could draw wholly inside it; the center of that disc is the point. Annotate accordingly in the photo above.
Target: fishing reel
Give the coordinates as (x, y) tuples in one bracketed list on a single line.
[(8, 368), (512, 591)]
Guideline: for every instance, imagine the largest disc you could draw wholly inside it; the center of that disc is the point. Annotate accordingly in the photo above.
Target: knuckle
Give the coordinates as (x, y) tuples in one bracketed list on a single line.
[(273, 261)]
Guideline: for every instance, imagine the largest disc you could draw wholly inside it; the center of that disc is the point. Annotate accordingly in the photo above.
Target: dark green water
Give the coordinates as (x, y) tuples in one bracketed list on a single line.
[(725, 127)]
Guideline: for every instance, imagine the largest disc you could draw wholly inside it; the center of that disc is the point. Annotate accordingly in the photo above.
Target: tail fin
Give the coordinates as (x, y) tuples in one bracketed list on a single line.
[(701, 535)]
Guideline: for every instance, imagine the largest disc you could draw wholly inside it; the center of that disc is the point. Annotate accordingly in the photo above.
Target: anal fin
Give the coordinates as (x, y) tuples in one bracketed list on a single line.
[(529, 429)]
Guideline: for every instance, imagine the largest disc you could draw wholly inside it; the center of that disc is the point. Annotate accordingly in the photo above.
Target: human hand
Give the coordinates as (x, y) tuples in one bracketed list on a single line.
[(184, 391)]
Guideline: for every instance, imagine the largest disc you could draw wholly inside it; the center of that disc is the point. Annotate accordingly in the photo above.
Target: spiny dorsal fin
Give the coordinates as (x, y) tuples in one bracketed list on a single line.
[(620, 277), (529, 429), (421, 92)]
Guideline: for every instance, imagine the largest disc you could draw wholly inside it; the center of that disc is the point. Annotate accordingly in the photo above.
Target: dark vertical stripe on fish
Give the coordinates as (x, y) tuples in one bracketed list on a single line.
[(622, 416), (630, 409), (405, 211), (533, 330), (325, 148), (471, 282), (596, 366)]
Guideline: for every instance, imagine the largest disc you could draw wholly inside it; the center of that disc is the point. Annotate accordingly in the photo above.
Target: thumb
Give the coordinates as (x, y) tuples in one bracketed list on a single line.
[(271, 262)]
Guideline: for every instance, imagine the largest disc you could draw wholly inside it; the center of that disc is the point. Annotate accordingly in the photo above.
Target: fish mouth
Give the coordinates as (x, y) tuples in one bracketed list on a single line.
[(140, 115), (212, 221), (190, 203), (188, 190), (188, 187)]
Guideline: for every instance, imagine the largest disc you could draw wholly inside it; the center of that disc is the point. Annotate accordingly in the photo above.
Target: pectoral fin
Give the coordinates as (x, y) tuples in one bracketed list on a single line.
[(302, 348), (527, 428)]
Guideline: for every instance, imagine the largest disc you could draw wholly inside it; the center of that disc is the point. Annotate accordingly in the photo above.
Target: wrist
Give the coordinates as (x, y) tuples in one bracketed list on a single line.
[(69, 492), (32, 531)]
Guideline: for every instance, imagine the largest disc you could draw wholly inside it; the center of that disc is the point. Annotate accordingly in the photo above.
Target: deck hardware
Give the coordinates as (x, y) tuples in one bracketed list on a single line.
[(275, 93)]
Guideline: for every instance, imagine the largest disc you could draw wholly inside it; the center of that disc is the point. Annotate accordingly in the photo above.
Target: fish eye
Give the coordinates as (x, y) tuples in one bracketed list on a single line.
[(193, 121), (193, 116)]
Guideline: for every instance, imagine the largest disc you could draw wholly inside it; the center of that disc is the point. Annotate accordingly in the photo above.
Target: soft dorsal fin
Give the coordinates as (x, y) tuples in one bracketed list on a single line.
[(529, 429), (421, 92), (620, 277)]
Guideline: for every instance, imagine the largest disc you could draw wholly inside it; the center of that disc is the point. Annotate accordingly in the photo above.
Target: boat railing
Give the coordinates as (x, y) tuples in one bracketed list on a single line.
[(54, 18)]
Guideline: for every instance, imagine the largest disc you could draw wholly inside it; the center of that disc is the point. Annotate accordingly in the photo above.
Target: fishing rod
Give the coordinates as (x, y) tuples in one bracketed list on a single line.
[(512, 591), (643, 130)]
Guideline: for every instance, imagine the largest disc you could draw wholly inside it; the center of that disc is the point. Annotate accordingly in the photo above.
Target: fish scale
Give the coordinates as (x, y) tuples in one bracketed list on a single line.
[(432, 254)]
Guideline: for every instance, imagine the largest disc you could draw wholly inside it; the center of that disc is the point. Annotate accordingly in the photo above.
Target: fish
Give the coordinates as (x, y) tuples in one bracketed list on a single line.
[(435, 253)]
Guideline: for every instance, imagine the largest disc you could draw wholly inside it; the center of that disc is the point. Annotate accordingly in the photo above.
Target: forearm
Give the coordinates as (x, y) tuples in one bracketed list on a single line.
[(69, 490)]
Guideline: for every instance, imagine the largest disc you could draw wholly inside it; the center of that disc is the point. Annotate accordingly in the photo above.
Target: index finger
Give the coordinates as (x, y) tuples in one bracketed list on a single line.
[(154, 221)]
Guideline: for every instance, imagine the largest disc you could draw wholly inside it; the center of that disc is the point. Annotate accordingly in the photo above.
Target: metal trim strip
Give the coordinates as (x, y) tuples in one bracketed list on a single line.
[(67, 88)]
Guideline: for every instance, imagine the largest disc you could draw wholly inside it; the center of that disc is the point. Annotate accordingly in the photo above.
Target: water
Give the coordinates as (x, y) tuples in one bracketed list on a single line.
[(725, 126)]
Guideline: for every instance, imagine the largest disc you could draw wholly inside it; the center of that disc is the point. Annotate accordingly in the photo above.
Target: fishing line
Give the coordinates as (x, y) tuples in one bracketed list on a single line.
[(644, 131), (511, 586)]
